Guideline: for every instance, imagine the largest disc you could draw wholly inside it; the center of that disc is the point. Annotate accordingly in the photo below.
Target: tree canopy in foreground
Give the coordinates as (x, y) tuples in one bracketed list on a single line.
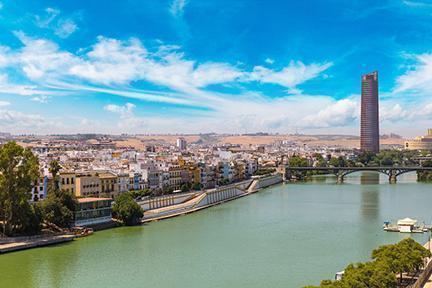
[(407, 256)]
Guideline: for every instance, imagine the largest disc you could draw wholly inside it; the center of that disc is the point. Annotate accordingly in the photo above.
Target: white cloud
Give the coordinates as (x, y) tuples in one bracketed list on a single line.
[(128, 120), (3, 56), (16, 121), (425, 111), (117, 62), (62, 27), (45, 20), (417, 4), (111, 66), (269, 61), (124, 111), (111, 61), (290, 76), (177, 7), (41, 59), (40, 99), (393, 113), (417, 79), (4, 103), (339, 113), (65, 28)]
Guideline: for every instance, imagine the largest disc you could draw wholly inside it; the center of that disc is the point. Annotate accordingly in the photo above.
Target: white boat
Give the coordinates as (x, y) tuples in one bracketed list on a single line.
[(406, 225)]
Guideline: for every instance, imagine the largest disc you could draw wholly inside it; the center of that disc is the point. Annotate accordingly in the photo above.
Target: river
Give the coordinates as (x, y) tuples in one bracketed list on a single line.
[(289, 235)]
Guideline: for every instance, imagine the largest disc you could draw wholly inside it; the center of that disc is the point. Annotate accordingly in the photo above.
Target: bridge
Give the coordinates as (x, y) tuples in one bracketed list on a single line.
[(391, 171)]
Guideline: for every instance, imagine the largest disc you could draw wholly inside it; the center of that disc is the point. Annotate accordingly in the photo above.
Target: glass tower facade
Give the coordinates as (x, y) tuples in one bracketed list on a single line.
[(369, 123)]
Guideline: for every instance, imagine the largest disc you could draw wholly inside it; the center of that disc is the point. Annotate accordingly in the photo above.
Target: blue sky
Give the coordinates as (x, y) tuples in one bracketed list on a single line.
[(190, 66)]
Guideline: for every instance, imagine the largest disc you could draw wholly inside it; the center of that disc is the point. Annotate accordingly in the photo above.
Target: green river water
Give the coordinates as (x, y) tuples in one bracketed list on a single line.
[(289, 235)]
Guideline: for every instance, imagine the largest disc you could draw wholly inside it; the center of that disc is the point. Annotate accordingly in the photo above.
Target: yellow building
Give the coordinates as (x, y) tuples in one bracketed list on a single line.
[(195, 173), (109, 184), (175, 179), (420, 142), (87, 185), (67, 181)]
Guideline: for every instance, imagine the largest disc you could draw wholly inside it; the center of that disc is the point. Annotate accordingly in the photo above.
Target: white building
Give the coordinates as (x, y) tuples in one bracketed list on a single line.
[(181, 144)]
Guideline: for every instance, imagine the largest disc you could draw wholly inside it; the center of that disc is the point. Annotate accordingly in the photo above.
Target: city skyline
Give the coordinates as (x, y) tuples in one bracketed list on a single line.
[(166, 67)]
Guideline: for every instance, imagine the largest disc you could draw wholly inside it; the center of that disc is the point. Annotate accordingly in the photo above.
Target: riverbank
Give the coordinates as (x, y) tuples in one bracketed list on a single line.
[(33, 242), (209, 198), (180, 205), (268, 239)]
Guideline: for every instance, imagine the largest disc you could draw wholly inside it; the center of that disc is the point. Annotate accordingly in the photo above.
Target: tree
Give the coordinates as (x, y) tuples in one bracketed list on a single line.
[(297, 161), (196, 187), (407, 256), (19, 170), (54, 169), (127, 210), (337, 162), (365, 157), (60, 205), (185, 187), (167, 190), (140, 193), (404, 257)]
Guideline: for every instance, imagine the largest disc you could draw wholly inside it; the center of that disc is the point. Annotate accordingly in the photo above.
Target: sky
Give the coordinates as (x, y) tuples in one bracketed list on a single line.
[(223, 66)]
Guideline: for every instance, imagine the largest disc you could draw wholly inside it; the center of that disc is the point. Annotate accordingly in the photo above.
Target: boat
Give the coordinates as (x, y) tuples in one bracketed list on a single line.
[(406, 225)]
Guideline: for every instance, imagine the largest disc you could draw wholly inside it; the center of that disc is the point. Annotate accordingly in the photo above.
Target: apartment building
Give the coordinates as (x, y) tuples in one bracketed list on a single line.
[(109, 184), (67, 181), (87, 185)]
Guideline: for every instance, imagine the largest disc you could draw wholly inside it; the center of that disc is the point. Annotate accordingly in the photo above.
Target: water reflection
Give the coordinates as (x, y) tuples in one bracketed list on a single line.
[(369, 207)]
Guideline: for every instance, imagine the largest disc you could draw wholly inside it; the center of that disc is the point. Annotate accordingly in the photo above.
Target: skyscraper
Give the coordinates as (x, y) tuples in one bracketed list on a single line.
[(369, 130), (181, 144)]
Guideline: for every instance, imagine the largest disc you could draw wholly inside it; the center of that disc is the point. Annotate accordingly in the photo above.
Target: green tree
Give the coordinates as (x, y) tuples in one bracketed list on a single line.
[(185, 187), (404, 257), (196, 187), (365, 157), (338, 162), (19, 171), (407, 256), (297, 161), (127, 210), (60, 205), (167, 190), (140, 193)]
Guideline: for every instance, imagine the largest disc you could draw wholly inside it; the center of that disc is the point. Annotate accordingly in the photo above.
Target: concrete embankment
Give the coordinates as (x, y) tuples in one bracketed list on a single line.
[(10, 245), (211, 197)]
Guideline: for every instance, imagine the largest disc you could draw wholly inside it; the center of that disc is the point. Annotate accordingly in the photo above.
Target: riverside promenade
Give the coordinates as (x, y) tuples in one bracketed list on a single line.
[(209, 198), (22, 243)]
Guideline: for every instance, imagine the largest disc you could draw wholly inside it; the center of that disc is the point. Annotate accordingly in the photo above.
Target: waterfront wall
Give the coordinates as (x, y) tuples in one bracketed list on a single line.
[(220, 194), (166, 200), (268, 181), (196, 201)]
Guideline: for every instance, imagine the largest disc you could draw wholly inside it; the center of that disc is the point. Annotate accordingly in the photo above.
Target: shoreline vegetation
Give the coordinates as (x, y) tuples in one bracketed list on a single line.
[(392, 266)]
